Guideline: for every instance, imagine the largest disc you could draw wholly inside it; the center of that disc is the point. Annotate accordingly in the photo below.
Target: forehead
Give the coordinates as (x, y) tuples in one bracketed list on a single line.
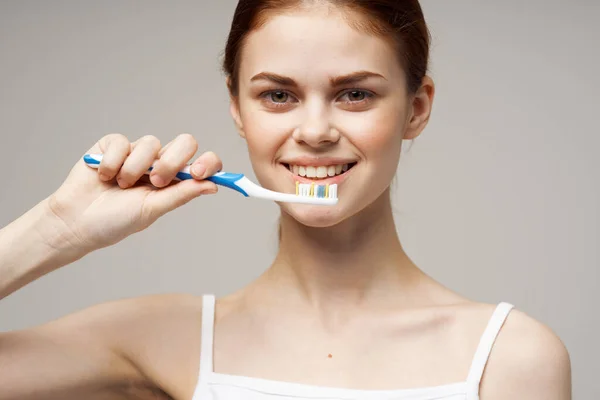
[(315, 44)]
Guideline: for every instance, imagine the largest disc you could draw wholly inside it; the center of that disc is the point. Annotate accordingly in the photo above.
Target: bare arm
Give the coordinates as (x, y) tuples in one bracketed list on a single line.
[(64, 359), (135, 348), (128, 349)]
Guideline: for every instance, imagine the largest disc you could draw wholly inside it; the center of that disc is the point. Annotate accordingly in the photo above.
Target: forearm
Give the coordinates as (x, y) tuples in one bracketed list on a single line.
[(32, 246)]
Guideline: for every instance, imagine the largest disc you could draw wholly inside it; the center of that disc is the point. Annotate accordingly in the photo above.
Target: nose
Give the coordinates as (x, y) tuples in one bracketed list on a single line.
[(316, 129)]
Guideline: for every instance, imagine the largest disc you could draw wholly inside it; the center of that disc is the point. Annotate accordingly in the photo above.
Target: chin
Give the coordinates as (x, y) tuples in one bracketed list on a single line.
[(329, 216), (315, 216)]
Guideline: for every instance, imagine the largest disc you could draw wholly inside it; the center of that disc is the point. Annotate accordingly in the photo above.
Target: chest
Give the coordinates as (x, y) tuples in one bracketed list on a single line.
[(375, 354)]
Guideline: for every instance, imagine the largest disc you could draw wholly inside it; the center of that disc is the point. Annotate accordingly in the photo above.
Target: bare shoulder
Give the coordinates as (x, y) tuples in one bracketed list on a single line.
[(528, 361), (133, 318), (159, 335), (162, 334)]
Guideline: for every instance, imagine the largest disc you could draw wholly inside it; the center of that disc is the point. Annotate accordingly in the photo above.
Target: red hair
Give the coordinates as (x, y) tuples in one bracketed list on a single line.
[(400, 21)]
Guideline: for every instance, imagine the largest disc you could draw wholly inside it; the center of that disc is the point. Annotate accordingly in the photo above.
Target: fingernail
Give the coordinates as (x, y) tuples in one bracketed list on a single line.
[(210, 191), (158, 180), (199, 170)]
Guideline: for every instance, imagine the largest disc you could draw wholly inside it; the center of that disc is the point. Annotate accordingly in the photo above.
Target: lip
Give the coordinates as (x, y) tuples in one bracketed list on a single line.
[(330, 180)]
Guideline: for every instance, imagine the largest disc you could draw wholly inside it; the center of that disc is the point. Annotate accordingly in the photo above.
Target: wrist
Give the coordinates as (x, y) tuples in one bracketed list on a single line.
[(35, 244), (62, 245)]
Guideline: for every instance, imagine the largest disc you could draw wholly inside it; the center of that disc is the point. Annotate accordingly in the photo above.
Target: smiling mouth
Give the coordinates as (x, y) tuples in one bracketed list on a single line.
[(319, 172)]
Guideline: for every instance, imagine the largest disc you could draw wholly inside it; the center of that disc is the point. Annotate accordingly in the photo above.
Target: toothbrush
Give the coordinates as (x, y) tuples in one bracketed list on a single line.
[(305, 193)]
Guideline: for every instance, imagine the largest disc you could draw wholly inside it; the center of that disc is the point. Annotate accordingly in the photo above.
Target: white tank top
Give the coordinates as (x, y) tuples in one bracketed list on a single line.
[(216, 386)]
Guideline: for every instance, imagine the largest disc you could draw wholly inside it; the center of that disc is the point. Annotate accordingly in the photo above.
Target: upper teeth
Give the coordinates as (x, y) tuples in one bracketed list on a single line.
[(318, 172)]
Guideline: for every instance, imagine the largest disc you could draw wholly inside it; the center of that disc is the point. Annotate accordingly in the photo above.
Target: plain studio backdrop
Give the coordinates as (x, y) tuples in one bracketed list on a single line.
[(497, 199)]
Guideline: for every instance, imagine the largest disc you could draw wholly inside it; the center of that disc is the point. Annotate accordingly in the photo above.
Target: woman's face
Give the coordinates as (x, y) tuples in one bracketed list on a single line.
[(317, 96)]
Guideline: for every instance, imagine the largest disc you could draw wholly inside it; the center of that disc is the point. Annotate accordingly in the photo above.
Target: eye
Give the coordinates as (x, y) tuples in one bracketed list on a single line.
[(356, 99), (278, 97), (356, 95)]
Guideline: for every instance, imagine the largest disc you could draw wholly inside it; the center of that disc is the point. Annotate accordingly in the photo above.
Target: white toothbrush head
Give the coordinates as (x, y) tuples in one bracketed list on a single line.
[(305, 193)]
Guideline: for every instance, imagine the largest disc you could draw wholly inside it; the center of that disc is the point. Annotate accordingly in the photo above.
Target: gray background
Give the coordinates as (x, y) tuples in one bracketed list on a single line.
[(498, 198)]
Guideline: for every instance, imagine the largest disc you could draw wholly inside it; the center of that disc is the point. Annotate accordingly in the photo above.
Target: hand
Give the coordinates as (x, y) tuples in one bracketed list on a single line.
[(98, 208)]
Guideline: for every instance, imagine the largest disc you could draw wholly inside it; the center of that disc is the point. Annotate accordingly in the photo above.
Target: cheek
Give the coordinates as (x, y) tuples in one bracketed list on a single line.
[(263, 135), (378, 133)]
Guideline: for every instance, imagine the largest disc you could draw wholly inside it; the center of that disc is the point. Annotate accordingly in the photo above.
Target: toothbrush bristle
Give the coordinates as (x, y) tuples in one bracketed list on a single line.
[(319, 191)]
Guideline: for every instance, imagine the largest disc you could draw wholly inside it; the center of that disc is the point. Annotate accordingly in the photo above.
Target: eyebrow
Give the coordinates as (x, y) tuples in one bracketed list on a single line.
[(353, 77)]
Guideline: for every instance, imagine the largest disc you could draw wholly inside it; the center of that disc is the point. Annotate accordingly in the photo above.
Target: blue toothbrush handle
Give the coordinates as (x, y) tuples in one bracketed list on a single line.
[(226, 179)]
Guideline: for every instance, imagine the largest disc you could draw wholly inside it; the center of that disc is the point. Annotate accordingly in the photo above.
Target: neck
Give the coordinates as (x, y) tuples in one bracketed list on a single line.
[(356, 262)]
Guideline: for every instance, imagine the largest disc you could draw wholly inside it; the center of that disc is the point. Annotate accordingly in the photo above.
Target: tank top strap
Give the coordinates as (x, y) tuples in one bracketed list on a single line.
[(486, 342), (206, 349)]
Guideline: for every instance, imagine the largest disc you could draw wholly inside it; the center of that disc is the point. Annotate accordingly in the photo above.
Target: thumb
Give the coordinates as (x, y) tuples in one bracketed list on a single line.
[(173, 196)]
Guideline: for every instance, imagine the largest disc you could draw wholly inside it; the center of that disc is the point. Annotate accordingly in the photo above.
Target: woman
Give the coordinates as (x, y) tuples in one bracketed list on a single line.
[(342, 312)]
